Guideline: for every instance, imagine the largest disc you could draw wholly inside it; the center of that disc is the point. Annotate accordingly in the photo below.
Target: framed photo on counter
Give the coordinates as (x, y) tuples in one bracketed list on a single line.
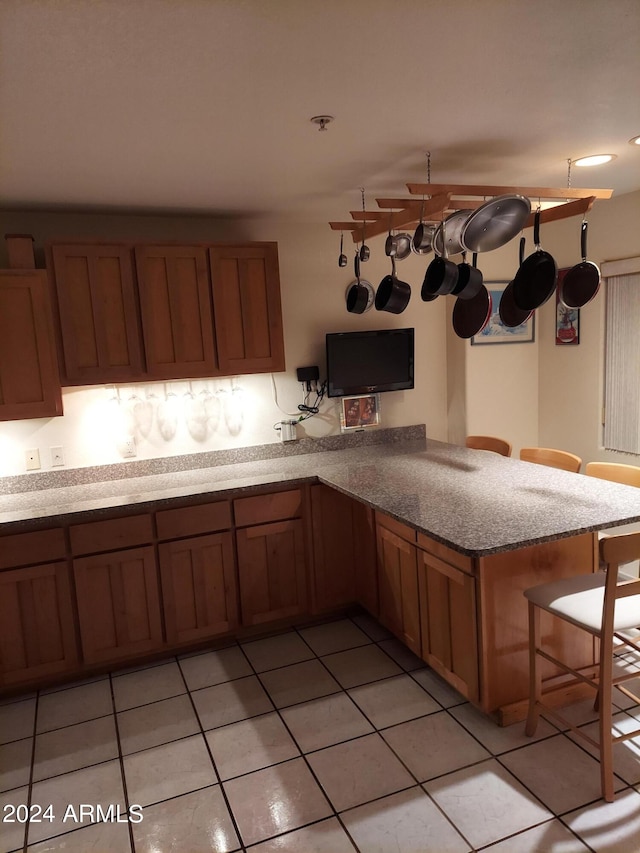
[(495, 332), (359, 412)]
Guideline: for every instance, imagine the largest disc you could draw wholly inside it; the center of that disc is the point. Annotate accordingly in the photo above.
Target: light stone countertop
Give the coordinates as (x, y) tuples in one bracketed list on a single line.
[(476, 502)]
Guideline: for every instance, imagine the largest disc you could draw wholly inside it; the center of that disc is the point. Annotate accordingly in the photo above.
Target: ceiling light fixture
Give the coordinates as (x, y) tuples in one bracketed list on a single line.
[(635, 140), (594, 160), (321, 121)]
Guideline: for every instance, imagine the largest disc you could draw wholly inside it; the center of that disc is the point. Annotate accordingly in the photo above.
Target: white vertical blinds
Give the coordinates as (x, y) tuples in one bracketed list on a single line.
[(622, 364)]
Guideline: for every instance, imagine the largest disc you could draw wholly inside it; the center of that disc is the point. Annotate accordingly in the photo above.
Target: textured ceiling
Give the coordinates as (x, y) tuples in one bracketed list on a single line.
[(204, 105)]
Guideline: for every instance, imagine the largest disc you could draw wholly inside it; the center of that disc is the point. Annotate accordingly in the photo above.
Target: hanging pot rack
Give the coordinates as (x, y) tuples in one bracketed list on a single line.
[(442, 199)]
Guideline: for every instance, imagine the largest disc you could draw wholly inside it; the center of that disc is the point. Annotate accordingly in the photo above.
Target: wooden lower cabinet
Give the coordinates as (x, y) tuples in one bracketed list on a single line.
[(272, 571), (398, 587), (199, 589), (36, 623), (448, 622), (334, 549), (118, 604)]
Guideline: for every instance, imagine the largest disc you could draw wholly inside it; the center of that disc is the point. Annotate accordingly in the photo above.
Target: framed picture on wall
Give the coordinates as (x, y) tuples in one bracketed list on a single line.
[(495, 332), (359, 412), (567, 319)]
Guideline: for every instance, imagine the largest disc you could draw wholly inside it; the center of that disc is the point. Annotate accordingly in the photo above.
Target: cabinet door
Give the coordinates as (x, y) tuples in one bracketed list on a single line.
[(99, 313), (398, 587), (36, 623), (272, 571), (199, 587), (175, 302), (449, 626), (248, 313), (366, 575), (29, 381), (118, 604), (334, 548)]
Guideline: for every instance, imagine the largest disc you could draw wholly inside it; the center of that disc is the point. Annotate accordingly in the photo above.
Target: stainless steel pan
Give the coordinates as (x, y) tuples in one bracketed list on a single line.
[(494, 223)]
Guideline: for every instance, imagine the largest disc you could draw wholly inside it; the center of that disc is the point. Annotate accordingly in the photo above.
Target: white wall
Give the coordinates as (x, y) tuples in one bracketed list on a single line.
[(313, 288), (571, 378), (531, 393)]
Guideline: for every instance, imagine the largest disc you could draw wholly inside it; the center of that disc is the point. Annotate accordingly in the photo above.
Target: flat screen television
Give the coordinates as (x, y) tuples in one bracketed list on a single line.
[(369, 362)]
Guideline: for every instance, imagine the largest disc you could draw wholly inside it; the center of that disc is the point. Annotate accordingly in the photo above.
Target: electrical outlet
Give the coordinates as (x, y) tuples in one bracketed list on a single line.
[(32, 459), (128, 447), (57, 456)]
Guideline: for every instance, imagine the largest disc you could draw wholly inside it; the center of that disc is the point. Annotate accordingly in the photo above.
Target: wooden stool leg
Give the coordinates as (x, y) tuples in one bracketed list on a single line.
[(605, 720), (535, 676)]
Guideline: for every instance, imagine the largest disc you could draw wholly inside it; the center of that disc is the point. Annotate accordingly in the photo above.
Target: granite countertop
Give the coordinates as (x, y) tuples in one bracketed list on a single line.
[(476, 502)]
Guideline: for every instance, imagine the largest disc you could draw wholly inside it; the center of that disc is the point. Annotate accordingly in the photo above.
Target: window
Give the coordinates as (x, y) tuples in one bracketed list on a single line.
[(622, 356)]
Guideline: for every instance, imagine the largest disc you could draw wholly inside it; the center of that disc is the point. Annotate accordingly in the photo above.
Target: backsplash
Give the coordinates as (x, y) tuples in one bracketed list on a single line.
[(206, 459)]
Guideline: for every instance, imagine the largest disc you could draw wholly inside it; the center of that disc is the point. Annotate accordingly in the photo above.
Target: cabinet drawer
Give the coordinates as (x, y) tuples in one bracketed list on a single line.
[(192, 520), (446, 554), (111, 534), (403, 530), (265, 508), (22, 549)]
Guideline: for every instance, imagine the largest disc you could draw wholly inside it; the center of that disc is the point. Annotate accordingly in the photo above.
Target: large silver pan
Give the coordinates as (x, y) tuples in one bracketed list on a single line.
[(454, 224), (494, 223)]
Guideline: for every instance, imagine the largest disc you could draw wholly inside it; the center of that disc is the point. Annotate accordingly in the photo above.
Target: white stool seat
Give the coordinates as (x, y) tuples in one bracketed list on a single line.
[(580, 600)]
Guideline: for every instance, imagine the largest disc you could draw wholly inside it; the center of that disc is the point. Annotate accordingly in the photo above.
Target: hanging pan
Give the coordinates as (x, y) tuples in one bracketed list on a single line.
[(454, 224), (359, 293), (469, 279), (582, 282), (441, 275), (494, 223), (392, 295), (422, 242), (470, 316), (536, 279), (510, 314), (342, 258)]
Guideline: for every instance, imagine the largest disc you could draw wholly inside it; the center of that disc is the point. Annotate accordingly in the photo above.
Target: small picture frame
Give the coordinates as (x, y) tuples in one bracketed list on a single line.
[(495, 332), (359, 412), (567, 319)]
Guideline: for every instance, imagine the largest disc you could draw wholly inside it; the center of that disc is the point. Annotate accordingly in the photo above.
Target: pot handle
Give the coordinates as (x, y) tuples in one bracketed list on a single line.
[(356, 266), (474, 260), (523, 241), (393, 267), (583, 240), (536, 229)]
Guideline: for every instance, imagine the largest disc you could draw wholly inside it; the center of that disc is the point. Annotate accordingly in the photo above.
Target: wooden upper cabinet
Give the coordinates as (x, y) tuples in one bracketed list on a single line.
[(175, 302), (247, 308), (101, 338), (29, 380)]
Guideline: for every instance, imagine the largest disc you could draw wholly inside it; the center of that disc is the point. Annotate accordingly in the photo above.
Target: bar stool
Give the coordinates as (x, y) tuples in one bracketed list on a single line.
[(604, 606), (628, 475), (553, 458), (489, 442)]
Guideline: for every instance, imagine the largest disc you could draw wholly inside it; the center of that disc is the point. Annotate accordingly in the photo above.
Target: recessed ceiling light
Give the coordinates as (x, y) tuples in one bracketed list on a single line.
[(635, 140), (594, 160)]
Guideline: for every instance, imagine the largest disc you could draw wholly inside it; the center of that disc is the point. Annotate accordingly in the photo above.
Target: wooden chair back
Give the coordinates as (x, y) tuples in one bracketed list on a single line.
[(628, 475), (489, 442), (552, 458)]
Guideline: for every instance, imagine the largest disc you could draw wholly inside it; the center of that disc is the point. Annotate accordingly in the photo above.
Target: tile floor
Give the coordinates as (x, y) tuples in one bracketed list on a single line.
[(327, 739)]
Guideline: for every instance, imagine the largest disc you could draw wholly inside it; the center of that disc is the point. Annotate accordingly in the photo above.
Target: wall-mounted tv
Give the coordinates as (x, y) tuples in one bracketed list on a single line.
[(369, 362)]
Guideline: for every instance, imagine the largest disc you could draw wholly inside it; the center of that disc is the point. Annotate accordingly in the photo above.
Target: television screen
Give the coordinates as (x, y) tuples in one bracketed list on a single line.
[(369, 362)]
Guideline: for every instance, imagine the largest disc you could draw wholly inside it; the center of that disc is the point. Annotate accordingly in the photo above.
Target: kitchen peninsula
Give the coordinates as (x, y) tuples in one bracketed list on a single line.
[(435, 540)]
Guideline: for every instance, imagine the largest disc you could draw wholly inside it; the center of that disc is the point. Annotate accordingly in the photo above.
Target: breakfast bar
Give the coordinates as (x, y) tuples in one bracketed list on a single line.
[(436, 541)]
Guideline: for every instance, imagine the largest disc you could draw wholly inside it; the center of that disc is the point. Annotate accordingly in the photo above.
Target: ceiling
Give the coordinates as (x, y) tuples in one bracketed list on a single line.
[(204, 105)]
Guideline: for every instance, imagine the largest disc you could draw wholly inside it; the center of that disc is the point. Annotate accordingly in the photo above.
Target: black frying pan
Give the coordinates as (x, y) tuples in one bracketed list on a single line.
[(536, 279), (510, 314), (582, 282), (470, 316)]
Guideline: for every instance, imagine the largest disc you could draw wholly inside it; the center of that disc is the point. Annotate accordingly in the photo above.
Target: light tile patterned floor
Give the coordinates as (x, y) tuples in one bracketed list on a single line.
[(327, 739)]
